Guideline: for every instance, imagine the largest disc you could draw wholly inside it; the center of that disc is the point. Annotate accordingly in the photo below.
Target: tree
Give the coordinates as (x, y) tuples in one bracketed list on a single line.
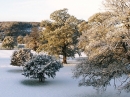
[(33, 42), (20, 39), (1, 36), (8, 42), (20, 57), (26, 39), (40, 66), (34, 33), (59, 36), (106, 37)]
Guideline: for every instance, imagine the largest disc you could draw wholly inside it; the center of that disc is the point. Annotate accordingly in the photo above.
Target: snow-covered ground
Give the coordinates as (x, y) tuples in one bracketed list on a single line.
[(13, 84)]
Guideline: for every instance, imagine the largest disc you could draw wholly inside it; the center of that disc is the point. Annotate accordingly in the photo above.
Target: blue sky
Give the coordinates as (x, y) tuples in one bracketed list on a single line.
[(38, 10)]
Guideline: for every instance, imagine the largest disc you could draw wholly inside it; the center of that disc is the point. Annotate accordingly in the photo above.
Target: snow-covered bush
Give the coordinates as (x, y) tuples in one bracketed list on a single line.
[(41, 65), (20, 57)]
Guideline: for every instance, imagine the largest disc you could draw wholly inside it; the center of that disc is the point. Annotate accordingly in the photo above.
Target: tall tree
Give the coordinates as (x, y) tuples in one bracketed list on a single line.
[(59, 36), (107, 46)]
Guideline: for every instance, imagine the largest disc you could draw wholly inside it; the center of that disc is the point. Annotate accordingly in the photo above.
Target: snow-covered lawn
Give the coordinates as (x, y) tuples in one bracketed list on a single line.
[(13, 84)]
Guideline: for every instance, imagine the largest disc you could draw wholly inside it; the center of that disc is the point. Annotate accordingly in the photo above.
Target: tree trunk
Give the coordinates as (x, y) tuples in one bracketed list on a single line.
[(35, 46), (64, 59), (41, 77), (64, 55)]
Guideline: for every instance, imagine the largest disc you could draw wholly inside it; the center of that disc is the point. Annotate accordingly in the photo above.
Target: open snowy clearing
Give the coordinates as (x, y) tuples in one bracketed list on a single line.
[(13, 84)]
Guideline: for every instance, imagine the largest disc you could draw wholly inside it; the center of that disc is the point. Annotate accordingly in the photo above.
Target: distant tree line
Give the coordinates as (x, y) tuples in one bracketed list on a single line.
[(16, 29), (18, 32)]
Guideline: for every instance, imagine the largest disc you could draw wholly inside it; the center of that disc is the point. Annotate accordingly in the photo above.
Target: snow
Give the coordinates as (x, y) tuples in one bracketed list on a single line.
[(13, 84)]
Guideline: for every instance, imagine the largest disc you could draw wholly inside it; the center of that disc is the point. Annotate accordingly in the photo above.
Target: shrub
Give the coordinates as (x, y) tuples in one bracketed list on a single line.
[(20, 57), (40, 66), (20, 39), (8, 42)]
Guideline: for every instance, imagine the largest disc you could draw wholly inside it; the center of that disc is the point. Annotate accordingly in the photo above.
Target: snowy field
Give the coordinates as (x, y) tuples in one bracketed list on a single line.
[(13, 84)]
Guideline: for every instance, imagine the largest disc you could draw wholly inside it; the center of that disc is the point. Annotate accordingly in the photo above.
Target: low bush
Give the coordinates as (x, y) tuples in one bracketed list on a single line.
[(20, 57), (40, 66)]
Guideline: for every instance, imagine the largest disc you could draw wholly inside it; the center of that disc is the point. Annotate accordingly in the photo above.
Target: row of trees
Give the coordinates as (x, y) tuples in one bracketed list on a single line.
[(14, 33), (104, 38), (9, 42), (16, 28), (56, 37)]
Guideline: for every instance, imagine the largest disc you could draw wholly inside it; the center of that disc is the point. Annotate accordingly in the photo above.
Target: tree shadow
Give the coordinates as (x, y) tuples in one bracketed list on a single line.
[(75, 60), (15, 71), (47, 82), (34, 82)]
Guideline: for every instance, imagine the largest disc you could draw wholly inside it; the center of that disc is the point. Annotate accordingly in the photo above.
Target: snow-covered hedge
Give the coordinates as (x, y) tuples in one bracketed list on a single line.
[(41, 65), (20, 57)]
